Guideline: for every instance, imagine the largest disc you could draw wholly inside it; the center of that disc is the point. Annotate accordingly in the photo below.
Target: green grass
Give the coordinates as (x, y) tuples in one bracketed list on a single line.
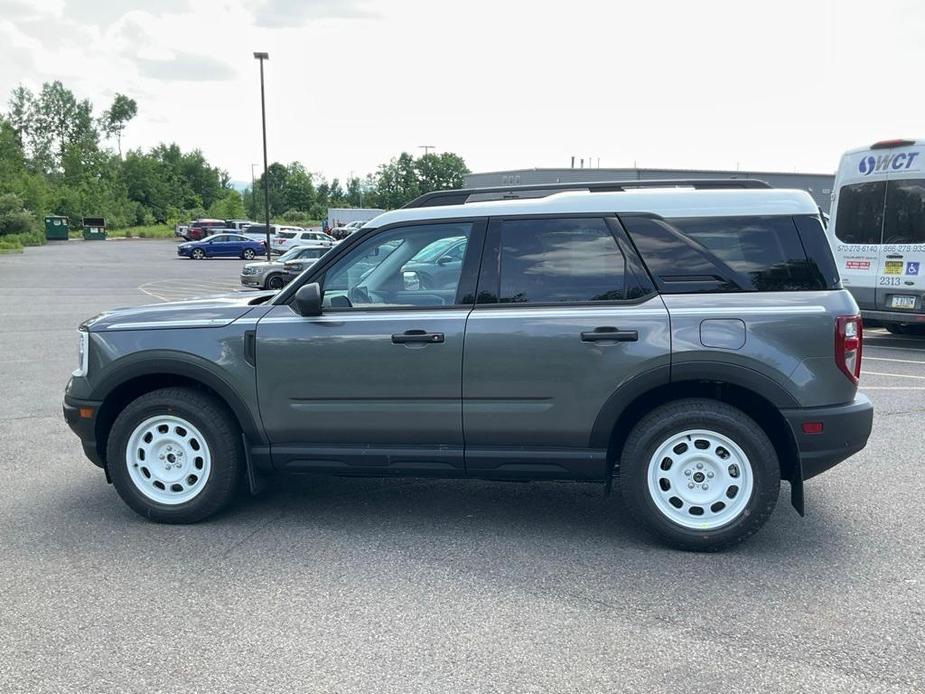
[(154, 231), (14, 243)]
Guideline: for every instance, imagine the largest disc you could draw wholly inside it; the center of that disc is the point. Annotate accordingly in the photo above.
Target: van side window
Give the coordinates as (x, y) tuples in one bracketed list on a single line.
[(725, 254), (904, 220), (560, 260), (860, 212)]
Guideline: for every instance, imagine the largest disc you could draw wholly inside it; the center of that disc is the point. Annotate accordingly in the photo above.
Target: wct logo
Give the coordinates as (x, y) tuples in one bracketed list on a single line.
[(886, 162)]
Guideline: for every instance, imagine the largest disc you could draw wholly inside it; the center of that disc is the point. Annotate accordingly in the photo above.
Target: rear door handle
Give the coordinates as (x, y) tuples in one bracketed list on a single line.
[(417, 336), (609, 334)]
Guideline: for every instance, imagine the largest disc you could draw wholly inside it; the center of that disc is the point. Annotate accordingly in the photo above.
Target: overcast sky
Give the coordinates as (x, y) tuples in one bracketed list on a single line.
[(783, 85)]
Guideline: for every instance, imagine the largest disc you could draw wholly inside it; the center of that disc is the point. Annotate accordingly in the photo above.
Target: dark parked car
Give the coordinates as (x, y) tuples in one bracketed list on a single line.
[(201, 228), (690, 345), (222, 246)]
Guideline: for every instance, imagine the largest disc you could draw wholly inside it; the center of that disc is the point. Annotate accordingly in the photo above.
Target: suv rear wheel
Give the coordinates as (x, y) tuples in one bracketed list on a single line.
[(174, 455), (700, 474)]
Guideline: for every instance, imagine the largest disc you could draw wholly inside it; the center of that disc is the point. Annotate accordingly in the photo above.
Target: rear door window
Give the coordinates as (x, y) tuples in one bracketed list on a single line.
[(559, 260), (859, 218), (725, 254)]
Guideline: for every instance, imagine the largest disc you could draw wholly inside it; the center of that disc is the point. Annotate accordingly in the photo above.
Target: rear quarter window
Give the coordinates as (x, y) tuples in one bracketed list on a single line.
[(730, 254), (859, 216)]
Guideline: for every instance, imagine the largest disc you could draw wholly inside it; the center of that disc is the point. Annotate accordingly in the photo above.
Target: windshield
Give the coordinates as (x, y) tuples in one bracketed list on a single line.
[(286, 234)]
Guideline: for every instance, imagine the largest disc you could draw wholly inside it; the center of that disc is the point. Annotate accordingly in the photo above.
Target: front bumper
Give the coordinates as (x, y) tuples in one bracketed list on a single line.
[(84, 427), (252, 281), (845, 430)]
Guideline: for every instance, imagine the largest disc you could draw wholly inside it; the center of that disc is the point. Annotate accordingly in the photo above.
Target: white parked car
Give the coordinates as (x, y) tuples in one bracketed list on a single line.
[(289, 238)]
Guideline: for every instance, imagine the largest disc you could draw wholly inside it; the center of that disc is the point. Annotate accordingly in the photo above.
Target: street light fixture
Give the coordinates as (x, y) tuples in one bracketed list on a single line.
[(261, 56)]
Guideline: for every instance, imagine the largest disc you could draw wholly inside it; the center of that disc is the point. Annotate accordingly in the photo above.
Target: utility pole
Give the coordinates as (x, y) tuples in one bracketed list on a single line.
[(426, 148), (261, 56)]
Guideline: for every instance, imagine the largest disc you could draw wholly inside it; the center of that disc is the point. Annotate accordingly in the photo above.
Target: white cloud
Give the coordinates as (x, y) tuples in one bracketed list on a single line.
[(785, 85)]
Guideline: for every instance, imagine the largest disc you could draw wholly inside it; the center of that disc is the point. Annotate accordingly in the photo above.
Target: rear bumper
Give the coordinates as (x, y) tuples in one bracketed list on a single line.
[(893, 316), (845, 430), (84, 427)]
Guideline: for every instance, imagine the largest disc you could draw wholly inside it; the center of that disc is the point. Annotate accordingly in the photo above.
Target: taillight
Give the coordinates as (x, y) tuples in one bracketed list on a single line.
[(849, 338)]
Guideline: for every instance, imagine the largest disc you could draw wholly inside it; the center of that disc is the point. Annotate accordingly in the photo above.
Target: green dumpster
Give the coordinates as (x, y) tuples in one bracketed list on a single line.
[(94, 228), (56, 228)]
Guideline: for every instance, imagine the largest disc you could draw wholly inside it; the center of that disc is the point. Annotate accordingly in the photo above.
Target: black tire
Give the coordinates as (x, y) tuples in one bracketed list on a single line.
[(248, 254), (275, 282), (222, 436), (895, 328), (675, 418), (197, 254)]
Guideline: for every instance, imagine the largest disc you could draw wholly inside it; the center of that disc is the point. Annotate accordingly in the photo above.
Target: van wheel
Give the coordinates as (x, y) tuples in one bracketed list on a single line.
[(699, 474), (174, 455), (895, 328)]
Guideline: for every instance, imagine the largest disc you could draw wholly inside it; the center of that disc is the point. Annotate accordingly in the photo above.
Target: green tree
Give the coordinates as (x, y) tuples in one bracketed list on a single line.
[(229, 206), (354, 196), (117, 116), (440, 171), (298, 189), (60, 122)]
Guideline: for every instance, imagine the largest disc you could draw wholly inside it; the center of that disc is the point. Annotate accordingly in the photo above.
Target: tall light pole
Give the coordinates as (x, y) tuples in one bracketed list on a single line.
[(253, 205), (261, 56)]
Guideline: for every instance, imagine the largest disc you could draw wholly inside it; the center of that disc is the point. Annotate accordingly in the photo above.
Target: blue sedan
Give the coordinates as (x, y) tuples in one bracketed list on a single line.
[(222, 246)]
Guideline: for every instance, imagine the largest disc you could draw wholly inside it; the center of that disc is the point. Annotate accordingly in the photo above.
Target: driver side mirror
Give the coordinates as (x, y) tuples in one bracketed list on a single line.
[(307, 300)]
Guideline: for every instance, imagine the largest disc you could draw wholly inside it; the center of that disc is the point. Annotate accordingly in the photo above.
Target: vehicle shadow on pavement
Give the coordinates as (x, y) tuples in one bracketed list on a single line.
[(569, 519)]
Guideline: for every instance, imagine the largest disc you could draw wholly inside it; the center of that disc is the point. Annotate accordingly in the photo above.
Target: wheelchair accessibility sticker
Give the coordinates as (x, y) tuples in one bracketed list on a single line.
[(912, 268)]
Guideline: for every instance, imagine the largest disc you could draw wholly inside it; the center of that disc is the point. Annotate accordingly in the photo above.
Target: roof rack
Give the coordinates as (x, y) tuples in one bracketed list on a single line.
[(439, 198)]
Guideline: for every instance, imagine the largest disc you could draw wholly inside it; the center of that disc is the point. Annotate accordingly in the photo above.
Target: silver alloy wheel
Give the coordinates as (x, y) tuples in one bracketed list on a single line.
[(248, 254), (700, 479), (168, 459), (197, 254)]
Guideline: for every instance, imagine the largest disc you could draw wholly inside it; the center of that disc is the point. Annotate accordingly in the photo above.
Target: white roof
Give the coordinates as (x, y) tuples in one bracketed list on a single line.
[(665, 202), (868, 148)]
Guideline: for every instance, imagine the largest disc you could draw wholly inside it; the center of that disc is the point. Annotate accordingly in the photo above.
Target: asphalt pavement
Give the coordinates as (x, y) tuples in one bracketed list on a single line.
[(345, 585)]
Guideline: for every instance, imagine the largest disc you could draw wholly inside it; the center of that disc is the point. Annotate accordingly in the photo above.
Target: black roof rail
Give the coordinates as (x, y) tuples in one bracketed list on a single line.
[(460, 196)]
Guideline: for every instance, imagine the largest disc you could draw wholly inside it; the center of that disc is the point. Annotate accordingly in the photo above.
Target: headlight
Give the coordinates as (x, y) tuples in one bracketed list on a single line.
[(83, 353)]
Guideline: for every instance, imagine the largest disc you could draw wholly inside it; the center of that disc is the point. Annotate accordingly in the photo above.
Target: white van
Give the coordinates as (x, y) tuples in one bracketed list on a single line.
[(877, 232)]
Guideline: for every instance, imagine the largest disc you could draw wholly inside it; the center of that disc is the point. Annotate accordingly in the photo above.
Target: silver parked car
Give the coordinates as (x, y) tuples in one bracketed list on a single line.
[(273, 275)]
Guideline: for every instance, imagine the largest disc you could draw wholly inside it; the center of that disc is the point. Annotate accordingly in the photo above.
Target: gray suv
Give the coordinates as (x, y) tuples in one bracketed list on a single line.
[(687, 341)]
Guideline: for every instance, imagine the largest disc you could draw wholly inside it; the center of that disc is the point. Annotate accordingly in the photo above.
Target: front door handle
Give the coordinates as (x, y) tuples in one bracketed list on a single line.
[(410, 336), (609, 334)]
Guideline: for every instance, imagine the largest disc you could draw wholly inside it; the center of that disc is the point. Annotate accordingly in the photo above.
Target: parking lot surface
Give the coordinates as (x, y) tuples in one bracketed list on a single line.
[(344, 585)]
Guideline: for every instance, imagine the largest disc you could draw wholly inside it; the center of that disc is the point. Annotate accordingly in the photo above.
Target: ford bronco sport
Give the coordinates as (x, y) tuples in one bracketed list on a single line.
[(686, 341)]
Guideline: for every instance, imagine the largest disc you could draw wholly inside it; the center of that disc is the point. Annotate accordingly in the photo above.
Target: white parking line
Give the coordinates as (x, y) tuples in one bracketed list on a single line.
[(901, 349), (879, 373), (863, 388), (896, 361)]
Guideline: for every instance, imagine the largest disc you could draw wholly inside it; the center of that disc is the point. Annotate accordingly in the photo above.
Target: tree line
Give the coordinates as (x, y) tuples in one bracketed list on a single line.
[(56, 157)]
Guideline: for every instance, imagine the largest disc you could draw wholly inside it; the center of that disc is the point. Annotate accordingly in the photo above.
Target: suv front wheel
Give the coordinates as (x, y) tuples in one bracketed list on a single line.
[(700, 474), (174, 455)]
